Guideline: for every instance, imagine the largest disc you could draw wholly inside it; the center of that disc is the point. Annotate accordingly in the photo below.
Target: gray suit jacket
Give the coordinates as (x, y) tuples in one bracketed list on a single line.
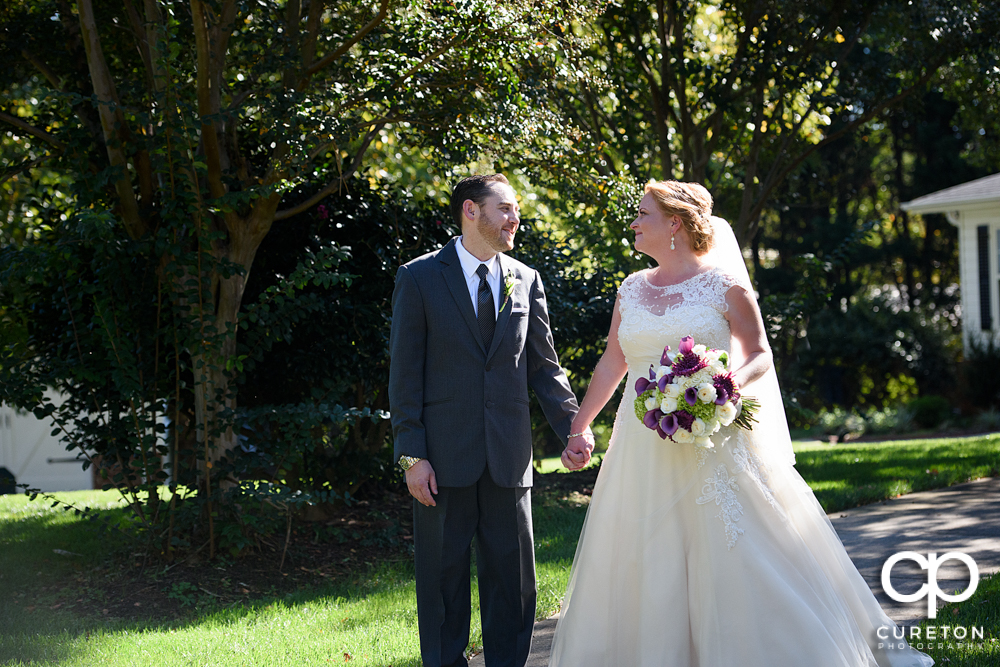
[(454, 402)]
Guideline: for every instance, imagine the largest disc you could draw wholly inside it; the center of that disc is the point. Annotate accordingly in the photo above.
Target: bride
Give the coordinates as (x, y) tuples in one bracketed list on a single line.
[(716, 557)]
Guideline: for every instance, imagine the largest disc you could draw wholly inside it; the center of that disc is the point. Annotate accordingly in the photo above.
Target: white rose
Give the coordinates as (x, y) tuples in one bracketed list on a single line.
[(698, 427), (704, 442), (672, 391), (717, 368), (683, 436), (661, 371), (707, 392), (699, 349), (668, 404), (712, 426), (726, 413), (651, 403)]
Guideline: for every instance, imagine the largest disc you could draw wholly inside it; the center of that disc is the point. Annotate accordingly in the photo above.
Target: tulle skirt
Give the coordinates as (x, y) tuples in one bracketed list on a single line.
[(707, 559)]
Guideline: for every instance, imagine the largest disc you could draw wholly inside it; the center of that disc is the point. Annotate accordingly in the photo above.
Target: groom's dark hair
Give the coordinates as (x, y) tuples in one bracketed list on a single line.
[(476, 188)]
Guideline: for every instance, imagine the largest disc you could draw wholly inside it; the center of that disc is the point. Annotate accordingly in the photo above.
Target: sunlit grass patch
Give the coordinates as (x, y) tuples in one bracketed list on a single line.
[(848, 475)]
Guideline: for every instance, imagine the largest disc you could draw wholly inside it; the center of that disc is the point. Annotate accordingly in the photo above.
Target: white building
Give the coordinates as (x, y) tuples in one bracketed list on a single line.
[(974, 208), (35, 457)]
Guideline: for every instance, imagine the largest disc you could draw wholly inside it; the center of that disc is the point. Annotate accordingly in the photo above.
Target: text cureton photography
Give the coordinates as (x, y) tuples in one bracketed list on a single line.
[(931, 636)]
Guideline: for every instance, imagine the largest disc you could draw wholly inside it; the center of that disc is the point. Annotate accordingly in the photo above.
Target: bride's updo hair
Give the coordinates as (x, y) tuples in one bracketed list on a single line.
[(692, 203)]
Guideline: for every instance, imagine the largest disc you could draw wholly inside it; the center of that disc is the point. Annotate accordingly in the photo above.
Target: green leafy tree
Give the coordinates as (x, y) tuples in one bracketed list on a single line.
[(738, 95), (188, 130)]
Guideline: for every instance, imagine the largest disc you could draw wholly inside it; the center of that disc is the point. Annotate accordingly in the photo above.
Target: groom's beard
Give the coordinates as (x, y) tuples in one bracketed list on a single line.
[(492, 232)]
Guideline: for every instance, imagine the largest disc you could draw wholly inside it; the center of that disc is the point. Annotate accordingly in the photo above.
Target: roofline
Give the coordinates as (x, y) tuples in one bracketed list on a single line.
[(917, 206)]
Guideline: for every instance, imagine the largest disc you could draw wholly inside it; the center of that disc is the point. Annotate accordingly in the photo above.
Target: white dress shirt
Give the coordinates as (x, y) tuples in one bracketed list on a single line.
[(469, 265)]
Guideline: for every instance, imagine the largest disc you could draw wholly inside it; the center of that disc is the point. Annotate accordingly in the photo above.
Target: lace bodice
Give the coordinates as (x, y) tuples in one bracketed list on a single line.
[(652, 316)]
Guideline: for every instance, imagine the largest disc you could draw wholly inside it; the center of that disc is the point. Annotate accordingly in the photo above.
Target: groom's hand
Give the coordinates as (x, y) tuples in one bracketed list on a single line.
[(422, 483), (577, 452)]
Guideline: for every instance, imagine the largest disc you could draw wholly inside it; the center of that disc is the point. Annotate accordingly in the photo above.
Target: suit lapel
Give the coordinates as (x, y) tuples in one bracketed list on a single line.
[(455, 279), (506, 305)]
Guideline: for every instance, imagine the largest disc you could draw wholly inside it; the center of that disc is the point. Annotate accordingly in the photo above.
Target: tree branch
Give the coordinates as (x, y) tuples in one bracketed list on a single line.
[(293, 17), (205, 79), (383, 12), (334, 184), (32, 130), (312, 34), (49, 75), (135, 22), (11, 172), (112, 120)]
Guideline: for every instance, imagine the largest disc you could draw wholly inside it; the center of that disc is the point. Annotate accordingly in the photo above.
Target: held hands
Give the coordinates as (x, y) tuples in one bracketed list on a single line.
[(577, 452), (422, 483)]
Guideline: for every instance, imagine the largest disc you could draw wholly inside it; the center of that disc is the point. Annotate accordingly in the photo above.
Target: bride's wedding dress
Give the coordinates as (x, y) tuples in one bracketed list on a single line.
[(710, 558)]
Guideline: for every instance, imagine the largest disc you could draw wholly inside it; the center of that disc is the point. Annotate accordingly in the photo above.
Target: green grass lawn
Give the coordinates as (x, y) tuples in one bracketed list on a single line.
[(849, 475), (48, 614), (982, 610)]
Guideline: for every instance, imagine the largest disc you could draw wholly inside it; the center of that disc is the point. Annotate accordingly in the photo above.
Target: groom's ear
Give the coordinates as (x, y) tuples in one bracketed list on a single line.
[(470, 209)]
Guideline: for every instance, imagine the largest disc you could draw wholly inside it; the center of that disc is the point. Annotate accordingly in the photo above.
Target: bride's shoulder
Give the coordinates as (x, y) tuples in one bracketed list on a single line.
[(631, 282), (721, 278)]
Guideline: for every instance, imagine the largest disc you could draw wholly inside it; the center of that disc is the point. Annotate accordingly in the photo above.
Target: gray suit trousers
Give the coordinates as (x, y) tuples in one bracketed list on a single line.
[(500, 521)]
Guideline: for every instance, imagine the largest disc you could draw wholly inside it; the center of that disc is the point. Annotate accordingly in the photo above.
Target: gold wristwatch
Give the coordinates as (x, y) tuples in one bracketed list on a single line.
[(407, 462)]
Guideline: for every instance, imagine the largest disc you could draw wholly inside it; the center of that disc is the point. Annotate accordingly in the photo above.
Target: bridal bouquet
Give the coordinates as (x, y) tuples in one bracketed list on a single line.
[(692, 395)]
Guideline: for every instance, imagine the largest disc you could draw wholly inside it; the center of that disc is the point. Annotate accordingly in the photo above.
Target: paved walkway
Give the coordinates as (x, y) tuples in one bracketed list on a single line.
[(962, 518)]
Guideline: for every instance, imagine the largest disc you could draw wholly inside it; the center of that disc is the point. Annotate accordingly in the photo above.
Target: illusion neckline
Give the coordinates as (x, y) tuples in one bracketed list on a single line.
[(644, 273)]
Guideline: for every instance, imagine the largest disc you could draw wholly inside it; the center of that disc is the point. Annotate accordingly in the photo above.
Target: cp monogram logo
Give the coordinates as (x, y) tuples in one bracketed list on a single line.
[(930, 590)]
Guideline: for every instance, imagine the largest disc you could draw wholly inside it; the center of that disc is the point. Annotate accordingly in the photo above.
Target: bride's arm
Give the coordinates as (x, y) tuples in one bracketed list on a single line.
[(747, 328), (607, 375)]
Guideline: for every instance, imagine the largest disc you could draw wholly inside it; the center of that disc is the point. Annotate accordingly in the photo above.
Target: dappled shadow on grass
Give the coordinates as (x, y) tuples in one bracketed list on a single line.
[(848, 476), (53, 601), (559, 506), (329, 566)]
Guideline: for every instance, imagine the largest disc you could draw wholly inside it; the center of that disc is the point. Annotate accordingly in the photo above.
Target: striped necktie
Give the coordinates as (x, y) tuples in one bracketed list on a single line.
[(485, 307)]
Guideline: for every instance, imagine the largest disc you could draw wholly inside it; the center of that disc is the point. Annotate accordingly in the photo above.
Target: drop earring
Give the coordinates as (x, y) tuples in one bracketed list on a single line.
[(671, 241)]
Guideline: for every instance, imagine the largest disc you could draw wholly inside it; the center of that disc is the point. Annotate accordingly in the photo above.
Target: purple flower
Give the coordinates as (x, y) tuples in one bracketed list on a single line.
[(664, 381), (688, 364), (691, 395), (668, 424), (724, 383), (322, 212), (687, 344), (665, 359), (652, 373), (660, 432), (721, 396), (684, 419), (651, 418), (641, 385)]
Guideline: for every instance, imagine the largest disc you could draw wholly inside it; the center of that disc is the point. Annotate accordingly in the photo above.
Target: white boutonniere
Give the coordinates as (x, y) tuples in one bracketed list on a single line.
[(509, 282)]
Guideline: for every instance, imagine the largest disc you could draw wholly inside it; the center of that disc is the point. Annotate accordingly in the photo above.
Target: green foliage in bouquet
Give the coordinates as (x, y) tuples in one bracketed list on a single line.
[(747, 417), (640, 402)]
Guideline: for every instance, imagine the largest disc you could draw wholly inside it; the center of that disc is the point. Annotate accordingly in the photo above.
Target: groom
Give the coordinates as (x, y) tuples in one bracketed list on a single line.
[(470, 335)]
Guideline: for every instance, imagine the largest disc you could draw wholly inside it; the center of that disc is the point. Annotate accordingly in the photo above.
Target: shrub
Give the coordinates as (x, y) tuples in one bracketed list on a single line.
[(841, 423), (981, 374), (988, 420), (929, 411), (889, 420)]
